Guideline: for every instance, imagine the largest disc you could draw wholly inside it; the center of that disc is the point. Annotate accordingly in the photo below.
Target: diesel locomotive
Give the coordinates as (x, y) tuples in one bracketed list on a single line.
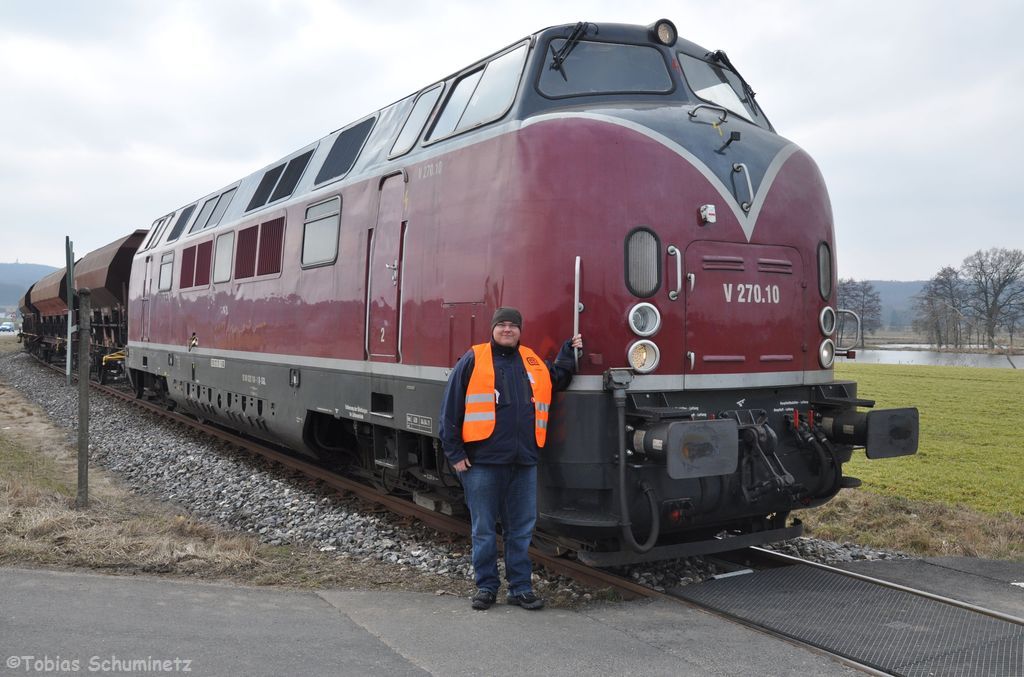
[(612, 179)]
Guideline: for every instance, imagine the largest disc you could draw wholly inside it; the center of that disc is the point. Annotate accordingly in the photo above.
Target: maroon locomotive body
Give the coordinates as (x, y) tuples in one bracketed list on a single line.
[(610, 178)]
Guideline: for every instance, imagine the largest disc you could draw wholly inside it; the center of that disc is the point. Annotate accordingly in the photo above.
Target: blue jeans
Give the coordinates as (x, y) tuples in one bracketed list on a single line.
[(508, 493)]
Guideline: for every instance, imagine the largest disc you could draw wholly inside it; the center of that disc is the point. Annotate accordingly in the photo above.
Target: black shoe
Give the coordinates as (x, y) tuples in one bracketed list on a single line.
[(527, 600), (483, 599)]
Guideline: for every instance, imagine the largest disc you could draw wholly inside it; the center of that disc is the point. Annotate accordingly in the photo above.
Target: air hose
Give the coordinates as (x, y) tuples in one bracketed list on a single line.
[(619, 394)]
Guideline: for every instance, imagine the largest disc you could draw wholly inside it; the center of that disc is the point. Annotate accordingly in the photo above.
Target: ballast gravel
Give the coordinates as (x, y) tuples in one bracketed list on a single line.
[(214, 481)]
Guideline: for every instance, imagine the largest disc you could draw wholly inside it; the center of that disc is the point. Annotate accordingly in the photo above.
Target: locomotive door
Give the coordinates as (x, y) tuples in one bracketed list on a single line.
[(383, 301), (735, 292)]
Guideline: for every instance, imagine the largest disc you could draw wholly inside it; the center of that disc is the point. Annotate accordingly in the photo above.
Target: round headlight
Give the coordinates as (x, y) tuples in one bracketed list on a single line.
[(644, 319), (826, 353), (827, 320), (644, 356), (664, 32)]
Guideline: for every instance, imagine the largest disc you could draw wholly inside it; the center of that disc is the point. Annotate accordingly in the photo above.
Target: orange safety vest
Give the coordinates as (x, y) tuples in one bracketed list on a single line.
[(479, 422)]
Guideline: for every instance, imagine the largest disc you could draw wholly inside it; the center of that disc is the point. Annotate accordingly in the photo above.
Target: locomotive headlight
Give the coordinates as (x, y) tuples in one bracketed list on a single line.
[(664, 31), (827, 321), (644, 356), (826, 353), (644, 319)]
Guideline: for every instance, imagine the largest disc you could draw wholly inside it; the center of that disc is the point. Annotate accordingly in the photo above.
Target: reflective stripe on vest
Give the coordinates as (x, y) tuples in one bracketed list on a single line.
[(479, 421)]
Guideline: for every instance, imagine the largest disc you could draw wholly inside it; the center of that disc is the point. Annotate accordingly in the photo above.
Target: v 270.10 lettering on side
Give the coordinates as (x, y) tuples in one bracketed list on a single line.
[(751, 293)]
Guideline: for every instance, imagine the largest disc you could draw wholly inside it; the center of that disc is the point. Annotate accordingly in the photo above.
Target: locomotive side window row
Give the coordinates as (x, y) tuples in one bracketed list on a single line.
[(414, 123), (156, 231), (345, 151), (481, 96), (179, 225), (320, 233), (259, 253), (279, 182), (211, 213)]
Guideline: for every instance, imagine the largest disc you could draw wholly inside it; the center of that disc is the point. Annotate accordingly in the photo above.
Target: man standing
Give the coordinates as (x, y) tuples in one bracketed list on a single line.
[(494, 421)]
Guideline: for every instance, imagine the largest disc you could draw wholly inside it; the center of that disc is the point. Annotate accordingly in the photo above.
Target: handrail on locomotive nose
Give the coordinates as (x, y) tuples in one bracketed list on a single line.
[(842, 350), (741, 167), (674, 251), (709, 106), (577, 308)]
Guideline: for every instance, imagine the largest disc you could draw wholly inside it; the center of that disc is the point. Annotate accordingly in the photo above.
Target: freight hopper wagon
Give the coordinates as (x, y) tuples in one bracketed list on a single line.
[(44, 330), (613, 178), (105, 273)]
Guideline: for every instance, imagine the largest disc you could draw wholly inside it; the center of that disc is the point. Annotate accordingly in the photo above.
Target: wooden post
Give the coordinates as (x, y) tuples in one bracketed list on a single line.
[(84, 324)]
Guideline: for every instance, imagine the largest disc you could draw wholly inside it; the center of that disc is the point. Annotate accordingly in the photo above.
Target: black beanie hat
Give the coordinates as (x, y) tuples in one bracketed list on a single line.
[(507, 315)]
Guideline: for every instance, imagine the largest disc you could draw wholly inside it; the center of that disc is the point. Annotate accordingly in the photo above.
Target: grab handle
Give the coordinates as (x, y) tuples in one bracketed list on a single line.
[(709, 106), (740, 167), (577, 308), (674, 251)]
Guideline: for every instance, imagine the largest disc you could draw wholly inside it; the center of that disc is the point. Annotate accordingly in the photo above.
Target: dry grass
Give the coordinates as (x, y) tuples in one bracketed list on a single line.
[(39, 525), (924, 528), (124, 533), (9, 343)]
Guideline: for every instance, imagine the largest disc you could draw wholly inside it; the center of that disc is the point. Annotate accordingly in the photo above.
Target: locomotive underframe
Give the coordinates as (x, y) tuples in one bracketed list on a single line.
[(383, 429)]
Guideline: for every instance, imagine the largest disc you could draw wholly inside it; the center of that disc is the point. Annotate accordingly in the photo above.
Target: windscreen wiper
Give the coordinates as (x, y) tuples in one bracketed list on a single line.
[(558, 57), (720, 56), (723, 58)]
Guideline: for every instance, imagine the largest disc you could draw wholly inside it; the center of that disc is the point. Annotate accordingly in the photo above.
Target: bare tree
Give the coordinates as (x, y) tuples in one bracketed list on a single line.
[(993, 286), (1013, 314), (862, 298), (940, 309)]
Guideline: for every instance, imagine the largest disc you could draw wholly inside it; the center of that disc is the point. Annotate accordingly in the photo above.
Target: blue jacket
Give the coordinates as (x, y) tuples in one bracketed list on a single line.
[(513, 439)]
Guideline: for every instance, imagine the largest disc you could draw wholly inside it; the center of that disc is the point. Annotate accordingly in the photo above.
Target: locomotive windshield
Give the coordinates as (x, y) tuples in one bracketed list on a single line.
[(721, 86), (603, 68)]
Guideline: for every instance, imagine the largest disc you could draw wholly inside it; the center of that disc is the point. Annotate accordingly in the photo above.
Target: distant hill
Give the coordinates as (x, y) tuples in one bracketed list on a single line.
[(16, 278), (897, 301)]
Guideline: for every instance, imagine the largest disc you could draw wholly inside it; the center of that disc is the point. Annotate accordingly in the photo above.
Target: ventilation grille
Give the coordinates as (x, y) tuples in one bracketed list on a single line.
[(203, 263), (723, 263), (643, 263), (780, 266), (271, 239), (245, 259)]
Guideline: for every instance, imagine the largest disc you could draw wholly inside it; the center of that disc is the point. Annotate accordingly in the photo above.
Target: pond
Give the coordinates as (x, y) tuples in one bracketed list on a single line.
[(932, 357)]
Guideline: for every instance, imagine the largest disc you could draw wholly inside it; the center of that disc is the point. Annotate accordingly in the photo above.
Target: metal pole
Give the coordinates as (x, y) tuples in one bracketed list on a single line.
[(84, 323), (69, 253)]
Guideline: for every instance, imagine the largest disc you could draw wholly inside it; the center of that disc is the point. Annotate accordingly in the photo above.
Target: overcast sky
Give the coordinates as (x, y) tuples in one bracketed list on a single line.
[(116, 112)]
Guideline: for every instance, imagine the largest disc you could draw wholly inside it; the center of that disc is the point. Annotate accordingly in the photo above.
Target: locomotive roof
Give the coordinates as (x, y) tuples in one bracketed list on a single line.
[(373, 151)]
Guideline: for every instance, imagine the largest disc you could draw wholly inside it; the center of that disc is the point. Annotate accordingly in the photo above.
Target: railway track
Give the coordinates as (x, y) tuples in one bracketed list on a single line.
[(874, 625), (718, 597)]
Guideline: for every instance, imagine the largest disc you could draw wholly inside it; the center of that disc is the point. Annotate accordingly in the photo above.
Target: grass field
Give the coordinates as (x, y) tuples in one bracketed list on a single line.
[(972, 435)]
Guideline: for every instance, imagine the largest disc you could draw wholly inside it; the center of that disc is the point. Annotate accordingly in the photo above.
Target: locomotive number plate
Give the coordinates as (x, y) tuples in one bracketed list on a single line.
[(751, 293)]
